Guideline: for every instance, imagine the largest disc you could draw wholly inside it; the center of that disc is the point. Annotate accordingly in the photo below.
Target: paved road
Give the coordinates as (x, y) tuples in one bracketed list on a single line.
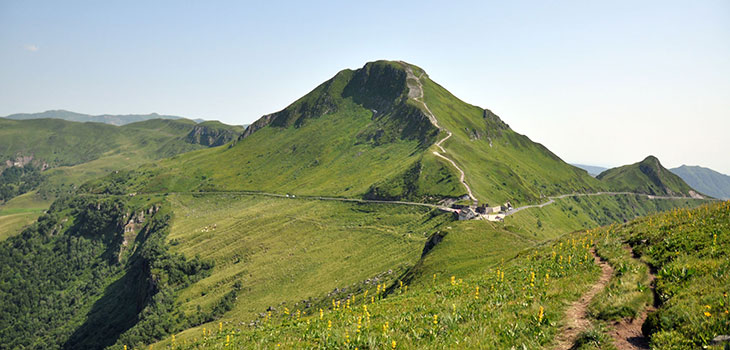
[(552, 199)]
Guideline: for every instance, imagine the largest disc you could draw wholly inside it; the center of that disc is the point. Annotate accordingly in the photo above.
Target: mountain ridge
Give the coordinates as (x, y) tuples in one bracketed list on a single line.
[(705, 180), (118, 120), (647, 176)]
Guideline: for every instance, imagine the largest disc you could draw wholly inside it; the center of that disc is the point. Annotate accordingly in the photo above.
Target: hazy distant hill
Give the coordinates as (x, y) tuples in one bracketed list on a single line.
[(705, 180), (104, 118), (591, 169), (647, 176)]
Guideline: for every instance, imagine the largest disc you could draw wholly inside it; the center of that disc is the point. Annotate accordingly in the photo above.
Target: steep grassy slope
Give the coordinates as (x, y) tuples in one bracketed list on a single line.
[(349, 133), (515, 304), (647, 176), (705, 180), (80, 117), (499, 163)]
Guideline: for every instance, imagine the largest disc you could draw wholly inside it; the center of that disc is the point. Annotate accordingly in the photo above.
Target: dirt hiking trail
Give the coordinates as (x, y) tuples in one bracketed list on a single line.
[(577, 313)]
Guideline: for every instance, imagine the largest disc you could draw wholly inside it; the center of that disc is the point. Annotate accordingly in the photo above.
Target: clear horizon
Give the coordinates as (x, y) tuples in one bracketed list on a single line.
[(597, 84)]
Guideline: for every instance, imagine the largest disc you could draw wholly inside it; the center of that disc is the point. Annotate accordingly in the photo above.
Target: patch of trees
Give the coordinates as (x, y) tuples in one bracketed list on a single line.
[(15, 181), (63, 284)]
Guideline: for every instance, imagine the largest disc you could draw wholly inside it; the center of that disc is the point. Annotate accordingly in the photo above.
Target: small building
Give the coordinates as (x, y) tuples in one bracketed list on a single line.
[(497, 209), (466, 214)]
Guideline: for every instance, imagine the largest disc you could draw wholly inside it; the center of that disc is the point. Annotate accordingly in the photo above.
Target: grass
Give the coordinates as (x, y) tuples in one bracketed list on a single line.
[(647, 176), (275, 261), (20, 212), (593, 339), (629, 290), (689, 249), (283, 251), (519, 304), (500, 164), (353, 137), (80, 152)]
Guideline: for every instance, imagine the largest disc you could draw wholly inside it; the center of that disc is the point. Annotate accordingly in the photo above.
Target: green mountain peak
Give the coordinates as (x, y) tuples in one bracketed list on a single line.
[(647, 176)]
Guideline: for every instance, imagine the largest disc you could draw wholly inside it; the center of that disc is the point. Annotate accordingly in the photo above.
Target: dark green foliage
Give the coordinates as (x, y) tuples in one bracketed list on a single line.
[(15, 181), (50, 272), (71, 282)]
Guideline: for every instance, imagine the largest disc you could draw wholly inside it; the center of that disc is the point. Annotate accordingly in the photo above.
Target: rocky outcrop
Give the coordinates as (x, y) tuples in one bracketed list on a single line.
[(210, 136)]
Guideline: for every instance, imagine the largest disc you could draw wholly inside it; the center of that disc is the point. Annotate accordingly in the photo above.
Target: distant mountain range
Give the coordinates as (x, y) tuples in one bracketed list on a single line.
[(104, 118), (705, 180), (591, 169)]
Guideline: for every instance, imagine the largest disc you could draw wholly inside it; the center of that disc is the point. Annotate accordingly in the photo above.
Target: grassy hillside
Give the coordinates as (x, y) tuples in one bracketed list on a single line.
[(647, 176), (45, 158), (499, 163), (705, 180), (508, 299), (688, 250), (363, 133), (346, 135), (194, 246)]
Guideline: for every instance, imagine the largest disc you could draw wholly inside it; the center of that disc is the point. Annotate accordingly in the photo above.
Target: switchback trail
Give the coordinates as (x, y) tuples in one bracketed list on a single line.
[(416, 93), (577, 313)]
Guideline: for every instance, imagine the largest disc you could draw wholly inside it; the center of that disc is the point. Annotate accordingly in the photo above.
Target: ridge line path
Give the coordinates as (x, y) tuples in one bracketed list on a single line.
[(416, 93), (577, 313)]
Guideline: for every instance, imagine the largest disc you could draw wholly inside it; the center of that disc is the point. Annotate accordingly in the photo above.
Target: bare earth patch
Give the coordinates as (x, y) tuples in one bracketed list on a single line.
[(577, 313), (626, 333)]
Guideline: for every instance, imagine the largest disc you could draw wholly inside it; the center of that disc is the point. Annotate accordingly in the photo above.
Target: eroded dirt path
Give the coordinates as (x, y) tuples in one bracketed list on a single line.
[(627, 333), (577, 313), (415, 92)]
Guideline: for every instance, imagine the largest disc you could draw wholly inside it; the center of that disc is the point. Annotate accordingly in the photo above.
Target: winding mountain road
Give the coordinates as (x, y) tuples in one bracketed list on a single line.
[(552, 199)]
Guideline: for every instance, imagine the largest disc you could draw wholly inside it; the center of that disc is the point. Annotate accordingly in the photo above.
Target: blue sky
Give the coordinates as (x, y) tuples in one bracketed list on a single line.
[(604, 83)]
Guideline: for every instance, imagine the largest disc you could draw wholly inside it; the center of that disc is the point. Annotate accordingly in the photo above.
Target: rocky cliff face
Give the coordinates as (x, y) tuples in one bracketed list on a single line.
[(210, 136)]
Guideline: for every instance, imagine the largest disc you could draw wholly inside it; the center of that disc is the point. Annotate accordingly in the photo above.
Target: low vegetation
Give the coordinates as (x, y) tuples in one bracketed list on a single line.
[(688, 248)]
